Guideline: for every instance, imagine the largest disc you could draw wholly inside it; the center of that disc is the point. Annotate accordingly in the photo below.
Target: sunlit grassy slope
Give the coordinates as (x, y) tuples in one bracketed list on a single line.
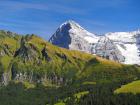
[(32, 53), (65, 73), (133, 87)]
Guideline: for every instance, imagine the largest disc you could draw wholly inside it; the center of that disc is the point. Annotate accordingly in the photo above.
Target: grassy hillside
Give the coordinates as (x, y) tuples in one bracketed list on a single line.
[(133, 87), (41, 57), (35, 72)]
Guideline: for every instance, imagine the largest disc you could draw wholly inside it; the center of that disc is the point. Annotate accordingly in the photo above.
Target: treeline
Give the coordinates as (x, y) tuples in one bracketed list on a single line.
[(103, 94)]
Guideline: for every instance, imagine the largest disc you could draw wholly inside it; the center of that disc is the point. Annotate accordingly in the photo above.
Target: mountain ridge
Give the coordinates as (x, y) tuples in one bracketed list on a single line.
[(82, 40)]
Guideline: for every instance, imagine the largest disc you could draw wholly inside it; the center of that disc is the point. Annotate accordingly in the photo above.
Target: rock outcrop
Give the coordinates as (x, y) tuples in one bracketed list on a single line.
[(107, 49)]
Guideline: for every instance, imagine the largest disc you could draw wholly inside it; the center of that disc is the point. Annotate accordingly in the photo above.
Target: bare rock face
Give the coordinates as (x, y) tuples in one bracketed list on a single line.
[(5, 78), (4, 50), (62, 37), (2, 53), (107, 49), (27, 51)]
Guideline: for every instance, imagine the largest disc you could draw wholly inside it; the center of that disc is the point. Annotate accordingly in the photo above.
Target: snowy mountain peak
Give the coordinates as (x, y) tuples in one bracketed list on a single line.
[(71, 35), (72, 24), (124, 37), (72, 29), (118, 46), (76, 29)]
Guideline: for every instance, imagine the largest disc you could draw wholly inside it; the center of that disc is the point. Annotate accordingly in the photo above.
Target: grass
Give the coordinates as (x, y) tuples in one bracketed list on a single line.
[(80, 94), (89, 83), (11, 42), (5, 61), (69, 66), (60, 103), (133, 87), (65, 63), (26, 84)]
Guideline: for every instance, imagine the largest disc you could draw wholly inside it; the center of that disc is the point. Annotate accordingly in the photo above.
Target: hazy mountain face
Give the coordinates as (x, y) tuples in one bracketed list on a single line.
[(122, 47)]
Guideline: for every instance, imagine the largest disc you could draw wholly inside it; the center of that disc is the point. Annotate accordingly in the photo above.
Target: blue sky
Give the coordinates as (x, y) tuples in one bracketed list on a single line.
[(43, 17)]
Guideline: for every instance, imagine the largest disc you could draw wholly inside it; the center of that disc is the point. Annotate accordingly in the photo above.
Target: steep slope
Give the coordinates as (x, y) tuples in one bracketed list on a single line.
[(9, 42), (107, 49), (71, 35), (36, 60), (124, 46), (39, 73), (129, 45)]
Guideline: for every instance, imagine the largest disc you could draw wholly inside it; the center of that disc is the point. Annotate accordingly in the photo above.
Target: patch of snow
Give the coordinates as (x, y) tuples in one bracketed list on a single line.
[(122, 36), (91, 39), (130, 53)]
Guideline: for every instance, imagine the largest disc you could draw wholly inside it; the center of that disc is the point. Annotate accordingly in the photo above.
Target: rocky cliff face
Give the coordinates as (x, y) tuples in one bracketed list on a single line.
[(122, 47), (32, 59), (72, 36), (107, 49), (9, 42), (37, 61), (27, 51)]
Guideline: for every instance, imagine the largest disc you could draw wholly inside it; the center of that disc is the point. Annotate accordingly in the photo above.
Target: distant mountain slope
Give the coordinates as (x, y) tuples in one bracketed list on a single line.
[(129, 45), (107, 49), (71, 35)]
